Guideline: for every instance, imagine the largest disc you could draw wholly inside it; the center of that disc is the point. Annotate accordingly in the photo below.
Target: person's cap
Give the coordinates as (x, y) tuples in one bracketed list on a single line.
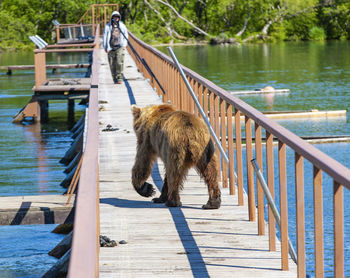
[(115, 13)]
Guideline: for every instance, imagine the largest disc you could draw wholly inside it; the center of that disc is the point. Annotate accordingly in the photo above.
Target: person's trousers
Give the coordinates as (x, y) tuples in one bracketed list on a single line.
[(116, 63)]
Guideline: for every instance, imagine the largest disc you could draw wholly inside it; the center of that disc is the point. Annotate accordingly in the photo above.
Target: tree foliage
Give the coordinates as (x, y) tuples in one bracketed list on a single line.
[(179, 20)]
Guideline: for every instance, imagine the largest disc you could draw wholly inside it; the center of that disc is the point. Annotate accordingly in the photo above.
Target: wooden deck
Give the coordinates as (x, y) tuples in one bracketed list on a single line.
[(162, 241)]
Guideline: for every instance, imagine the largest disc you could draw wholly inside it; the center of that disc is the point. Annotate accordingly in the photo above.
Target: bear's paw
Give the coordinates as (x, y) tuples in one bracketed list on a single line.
[(146, 190), (213, 204)]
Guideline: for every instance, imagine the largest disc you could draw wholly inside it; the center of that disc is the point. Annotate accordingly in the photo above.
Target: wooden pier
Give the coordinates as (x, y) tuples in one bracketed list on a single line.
[(162, 241)]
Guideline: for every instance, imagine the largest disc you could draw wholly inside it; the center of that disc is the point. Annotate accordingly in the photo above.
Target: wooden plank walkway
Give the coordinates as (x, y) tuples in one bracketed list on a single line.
[(162, 241)]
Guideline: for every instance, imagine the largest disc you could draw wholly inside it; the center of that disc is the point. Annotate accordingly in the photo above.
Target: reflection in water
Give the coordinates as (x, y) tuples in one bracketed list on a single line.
[(269, 98), (33, 136)]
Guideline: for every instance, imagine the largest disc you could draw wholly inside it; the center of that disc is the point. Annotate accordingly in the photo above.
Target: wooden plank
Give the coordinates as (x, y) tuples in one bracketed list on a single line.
[(162, 241)]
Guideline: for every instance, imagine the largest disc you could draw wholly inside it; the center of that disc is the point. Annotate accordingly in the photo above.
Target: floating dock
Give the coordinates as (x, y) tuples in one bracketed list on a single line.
[(314, 113), (260, 91), (37, 209)]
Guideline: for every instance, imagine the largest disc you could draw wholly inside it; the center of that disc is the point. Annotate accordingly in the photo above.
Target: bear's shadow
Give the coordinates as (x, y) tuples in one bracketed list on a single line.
[(198, 266), (158, 182)]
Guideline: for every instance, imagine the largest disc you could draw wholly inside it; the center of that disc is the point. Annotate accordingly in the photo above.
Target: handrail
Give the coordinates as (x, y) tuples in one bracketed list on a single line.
[(84, 260), (215, 102)]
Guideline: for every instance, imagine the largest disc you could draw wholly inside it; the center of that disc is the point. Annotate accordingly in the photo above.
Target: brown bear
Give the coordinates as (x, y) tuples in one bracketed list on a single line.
[(182, 141)]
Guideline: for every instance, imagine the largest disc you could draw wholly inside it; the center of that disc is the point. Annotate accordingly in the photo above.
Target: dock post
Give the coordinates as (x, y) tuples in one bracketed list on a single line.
[(44, 111), (39, 67), (57, 33), (71, 111)]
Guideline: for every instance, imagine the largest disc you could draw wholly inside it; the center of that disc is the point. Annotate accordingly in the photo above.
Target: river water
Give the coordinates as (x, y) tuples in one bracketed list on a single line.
[(317, 74), (29, 161)]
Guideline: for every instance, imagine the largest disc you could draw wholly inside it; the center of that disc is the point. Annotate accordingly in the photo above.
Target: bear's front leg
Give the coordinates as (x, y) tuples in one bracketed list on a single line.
[(141, 171), (164, 195)]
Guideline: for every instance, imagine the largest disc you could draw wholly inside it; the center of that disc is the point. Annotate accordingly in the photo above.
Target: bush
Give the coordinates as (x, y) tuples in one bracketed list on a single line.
[(278, 33), (317, 34)]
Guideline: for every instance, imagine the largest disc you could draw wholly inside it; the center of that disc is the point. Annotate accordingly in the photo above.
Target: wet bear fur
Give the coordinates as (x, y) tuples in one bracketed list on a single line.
[(182, 141)]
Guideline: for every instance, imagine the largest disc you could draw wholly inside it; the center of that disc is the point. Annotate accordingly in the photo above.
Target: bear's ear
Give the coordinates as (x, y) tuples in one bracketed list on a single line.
[(136, 111)]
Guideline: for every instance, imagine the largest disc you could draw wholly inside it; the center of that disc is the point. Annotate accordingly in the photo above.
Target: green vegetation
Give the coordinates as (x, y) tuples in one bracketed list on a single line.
[(165, 21)]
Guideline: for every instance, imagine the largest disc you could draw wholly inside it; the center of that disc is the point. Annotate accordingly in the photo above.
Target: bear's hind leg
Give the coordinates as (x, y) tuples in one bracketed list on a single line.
[(208, 171), (164, 195), (174, 185)]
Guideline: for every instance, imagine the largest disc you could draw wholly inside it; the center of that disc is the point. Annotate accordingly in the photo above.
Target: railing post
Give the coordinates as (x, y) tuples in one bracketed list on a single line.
[(338, 203), (223, 140), (299, 197), (250, 177), (271, 185), (239, 157), (39, 67), (318, 223), (231, 164), (283, 204), (260, 193)]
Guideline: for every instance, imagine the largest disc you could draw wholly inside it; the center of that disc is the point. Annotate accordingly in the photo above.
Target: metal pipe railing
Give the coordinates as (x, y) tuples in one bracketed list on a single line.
[(272, 205), (211, 130)]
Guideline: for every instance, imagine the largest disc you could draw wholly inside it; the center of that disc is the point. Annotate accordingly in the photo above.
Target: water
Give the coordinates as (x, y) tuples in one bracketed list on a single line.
[(26, 257), (29, 161), (317, 74)]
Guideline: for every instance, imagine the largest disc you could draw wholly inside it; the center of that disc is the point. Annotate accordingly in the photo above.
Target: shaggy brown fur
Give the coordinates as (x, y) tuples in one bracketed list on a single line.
[(182, 141)]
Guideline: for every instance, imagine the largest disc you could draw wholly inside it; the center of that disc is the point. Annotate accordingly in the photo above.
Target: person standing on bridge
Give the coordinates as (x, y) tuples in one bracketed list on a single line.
[(115, 40)]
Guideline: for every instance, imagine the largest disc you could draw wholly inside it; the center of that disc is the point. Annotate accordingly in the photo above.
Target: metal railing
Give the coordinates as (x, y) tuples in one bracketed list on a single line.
[(84, 29), (74, 32), (223, 109), (84, 259)]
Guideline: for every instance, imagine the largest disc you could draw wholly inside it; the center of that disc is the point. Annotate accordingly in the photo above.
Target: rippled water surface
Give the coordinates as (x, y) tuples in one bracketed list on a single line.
[(24, 249)]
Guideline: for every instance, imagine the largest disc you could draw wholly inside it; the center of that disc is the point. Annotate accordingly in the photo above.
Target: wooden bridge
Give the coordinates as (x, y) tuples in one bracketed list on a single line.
[(162, 241), (157, 241), (233, 241)]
